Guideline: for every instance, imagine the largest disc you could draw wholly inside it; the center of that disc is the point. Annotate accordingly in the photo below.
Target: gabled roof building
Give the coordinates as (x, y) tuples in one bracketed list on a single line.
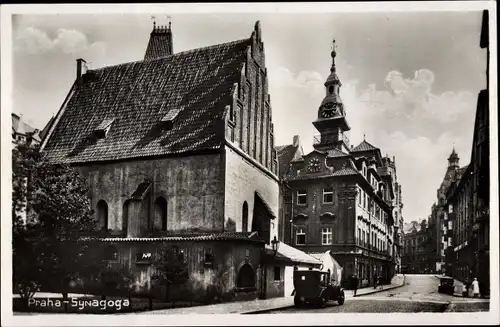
[(178, 149)]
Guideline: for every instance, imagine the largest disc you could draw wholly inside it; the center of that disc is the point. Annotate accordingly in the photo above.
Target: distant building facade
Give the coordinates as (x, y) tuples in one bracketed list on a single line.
[(340, 198), (415, 251), (23, 132)]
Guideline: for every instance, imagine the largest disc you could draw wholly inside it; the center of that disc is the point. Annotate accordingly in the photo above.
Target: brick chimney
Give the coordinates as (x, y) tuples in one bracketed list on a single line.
[(79, 70), (296, 141)]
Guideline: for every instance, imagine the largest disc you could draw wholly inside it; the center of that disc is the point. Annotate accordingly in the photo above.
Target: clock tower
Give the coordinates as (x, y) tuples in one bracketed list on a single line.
[(331, 121)]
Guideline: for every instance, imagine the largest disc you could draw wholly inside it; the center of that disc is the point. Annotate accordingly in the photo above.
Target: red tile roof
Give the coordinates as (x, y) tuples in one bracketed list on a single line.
[(138, 95)]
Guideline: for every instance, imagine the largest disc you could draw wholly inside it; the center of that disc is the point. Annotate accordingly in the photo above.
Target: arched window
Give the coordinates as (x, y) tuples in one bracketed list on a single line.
[(160, 217), (102, 214), (125, 217), (246, 277), (244, 217)]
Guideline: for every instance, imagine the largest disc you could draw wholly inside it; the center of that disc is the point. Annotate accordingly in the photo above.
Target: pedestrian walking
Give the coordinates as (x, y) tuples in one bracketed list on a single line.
[(475, 287), (465, 289), (355, 282), (375, 279)]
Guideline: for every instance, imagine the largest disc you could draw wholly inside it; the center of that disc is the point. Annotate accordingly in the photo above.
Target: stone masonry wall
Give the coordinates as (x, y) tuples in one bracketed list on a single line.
[(192, 187)]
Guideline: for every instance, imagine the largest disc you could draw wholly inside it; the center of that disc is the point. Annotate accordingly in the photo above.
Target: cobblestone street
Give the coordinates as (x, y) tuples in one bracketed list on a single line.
[(419, 294)]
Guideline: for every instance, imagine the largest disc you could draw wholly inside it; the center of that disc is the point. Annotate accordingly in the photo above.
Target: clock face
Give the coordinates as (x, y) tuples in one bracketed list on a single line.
[(314, 165), (329, 110)]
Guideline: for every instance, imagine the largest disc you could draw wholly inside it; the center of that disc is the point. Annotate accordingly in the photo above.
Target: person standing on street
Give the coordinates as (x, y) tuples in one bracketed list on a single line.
[(475, 287), (355, 283)]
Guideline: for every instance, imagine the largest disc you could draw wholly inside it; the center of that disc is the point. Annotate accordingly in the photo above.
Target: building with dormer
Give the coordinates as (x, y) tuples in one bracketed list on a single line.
[(339, 198), (178, 149)]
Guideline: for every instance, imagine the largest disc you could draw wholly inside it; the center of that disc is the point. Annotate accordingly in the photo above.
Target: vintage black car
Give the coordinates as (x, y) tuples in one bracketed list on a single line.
[(315, 287), (446, 285)]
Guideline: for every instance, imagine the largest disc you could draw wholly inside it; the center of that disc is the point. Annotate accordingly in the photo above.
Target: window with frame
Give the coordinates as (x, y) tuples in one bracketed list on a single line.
[(328, 195), (360, 195), (359, 236), (300, 238), (326, 236), (302, 197)]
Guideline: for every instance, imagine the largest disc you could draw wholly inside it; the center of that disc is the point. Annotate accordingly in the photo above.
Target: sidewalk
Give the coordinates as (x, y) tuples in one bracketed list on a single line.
[(255, 306)]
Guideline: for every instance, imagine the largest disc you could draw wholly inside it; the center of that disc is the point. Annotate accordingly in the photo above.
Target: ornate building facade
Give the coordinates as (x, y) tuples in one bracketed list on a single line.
[(468, 198), (340, 198)]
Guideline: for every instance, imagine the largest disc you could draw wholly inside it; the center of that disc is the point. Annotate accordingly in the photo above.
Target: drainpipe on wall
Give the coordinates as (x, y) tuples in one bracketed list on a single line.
[(291, 214)]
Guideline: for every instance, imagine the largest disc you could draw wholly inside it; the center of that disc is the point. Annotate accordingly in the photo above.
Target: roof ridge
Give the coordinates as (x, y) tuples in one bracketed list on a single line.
[(208, 47)]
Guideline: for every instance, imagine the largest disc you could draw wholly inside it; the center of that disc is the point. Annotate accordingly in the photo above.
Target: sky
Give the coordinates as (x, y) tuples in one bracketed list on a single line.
[(410, 81)]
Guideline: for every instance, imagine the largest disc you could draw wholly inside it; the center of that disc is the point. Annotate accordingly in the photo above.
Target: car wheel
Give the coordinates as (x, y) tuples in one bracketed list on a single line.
[(341, 298)]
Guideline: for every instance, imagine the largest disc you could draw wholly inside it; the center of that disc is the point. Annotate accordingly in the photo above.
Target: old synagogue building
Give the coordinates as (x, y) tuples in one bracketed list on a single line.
[(339, 198), (178, 149)]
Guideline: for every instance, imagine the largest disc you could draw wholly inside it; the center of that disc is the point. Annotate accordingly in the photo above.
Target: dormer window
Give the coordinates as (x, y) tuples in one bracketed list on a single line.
[(102, 130), (167, 121)]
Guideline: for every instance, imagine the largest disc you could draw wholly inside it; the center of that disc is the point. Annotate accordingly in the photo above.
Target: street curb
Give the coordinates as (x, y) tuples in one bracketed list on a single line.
[(267, 310), (382, 290)]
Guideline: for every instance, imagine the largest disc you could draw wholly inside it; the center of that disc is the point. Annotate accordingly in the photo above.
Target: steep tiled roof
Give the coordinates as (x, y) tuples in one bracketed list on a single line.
[(45, 130), (335, 153), (343, 167), (364, 146), (224, 236), (285, 155), (138, 95)]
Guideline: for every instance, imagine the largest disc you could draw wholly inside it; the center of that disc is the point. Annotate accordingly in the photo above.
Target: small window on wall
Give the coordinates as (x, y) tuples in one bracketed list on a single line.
[(326, 236), (328, 195), (300, 237), (277, 273), (302, 197)]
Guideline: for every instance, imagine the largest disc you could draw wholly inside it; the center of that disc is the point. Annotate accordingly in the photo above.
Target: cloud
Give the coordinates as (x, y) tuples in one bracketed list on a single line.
[(308, 82), (68, 41)]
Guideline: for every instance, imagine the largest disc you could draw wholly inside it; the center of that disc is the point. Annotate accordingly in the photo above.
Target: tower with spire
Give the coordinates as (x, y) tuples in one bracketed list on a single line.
[(453, 160), (331, 122)]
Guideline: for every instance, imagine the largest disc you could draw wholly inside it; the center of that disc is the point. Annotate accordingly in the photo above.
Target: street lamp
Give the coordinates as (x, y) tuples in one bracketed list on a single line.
[(275, 244)]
